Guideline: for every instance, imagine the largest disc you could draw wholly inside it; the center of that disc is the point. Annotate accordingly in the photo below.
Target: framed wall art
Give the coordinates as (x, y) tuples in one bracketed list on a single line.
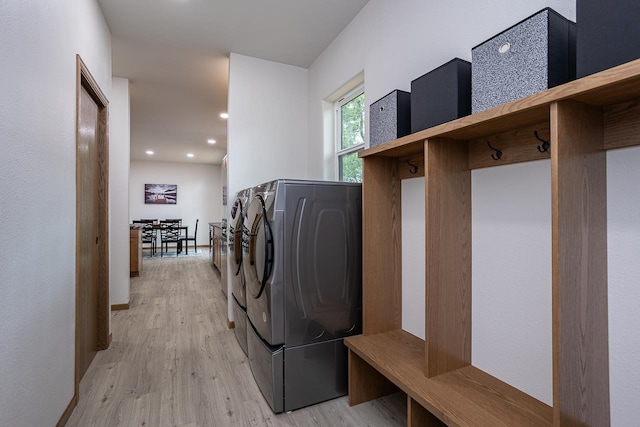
[(160, 194)]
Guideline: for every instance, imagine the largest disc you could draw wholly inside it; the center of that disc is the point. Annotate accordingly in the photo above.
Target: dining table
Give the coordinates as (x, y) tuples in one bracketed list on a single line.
[(160, 226)]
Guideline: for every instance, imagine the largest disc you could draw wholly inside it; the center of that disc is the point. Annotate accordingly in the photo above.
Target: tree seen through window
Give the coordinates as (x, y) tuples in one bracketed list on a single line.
[(352, 130)]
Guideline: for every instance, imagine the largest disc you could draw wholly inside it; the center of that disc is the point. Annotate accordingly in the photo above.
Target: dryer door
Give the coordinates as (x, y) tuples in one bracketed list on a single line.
[(258, 253), (235, 237), (324, 271)]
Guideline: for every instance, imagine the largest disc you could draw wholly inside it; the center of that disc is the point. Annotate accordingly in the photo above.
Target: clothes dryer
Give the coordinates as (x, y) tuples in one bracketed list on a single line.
[(303, 273)]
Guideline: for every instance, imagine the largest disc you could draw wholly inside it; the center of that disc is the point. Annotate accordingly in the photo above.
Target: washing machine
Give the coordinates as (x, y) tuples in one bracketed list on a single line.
[(237, 237), (303, 271)]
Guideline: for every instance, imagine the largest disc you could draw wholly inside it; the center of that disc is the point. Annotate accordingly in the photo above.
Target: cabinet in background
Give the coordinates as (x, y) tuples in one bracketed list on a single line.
[(218, 256), (212, 246), (216, 235), (135, 251)]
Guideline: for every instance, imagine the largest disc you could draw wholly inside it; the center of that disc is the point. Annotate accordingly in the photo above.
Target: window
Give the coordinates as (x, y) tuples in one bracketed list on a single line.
[(350, 127)]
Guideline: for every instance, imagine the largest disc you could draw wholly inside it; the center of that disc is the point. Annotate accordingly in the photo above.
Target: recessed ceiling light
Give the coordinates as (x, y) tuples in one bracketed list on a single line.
[(189, 154), (211, 141), (224, 115), (149, 152)]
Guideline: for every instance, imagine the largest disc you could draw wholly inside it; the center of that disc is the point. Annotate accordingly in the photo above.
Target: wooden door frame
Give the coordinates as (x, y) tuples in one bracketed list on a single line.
[(85, 80)]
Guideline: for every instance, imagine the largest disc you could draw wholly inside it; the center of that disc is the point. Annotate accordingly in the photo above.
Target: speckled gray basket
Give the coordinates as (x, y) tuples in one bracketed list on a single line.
[(390, 117), (533, 55)]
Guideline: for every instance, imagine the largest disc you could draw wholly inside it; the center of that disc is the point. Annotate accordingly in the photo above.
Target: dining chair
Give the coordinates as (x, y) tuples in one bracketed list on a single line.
[(187, 239), (147, 233), (169, 233)]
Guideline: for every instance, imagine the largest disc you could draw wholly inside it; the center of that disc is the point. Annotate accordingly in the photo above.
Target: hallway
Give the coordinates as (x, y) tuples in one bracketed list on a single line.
[(174, 362)]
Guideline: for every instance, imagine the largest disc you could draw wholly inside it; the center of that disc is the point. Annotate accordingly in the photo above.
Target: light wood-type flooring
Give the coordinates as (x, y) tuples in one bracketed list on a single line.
[(174, 362)]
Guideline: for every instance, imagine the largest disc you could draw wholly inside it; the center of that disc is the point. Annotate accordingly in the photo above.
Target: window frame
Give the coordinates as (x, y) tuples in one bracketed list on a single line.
[(339, 152)]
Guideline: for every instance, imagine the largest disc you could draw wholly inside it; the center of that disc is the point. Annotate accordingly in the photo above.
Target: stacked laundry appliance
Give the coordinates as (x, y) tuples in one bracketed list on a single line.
[(301, 258)]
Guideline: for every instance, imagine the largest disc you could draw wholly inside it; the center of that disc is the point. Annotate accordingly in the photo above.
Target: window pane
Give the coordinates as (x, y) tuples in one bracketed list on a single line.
[(352, 117), (350, 167)]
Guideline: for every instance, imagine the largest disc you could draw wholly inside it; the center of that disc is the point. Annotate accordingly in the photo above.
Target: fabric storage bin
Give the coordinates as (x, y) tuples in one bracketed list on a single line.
[(607, 34), (533, 55), (441, 95), (389, 118)]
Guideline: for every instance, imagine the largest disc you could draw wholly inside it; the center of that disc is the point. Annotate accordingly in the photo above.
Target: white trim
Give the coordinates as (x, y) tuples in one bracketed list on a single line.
[(348, 87)]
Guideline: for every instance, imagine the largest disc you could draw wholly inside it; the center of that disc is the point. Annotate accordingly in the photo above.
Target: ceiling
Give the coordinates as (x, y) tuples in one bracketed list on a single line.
[(175, 54)]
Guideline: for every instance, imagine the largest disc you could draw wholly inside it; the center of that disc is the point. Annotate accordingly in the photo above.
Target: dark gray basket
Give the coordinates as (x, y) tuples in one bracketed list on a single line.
[(607, 34), (441, 95)]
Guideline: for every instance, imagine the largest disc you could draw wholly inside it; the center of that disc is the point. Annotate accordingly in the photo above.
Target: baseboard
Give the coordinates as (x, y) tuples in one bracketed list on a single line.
[(67, 412), (110, 339), (115, 307), (232, 324)]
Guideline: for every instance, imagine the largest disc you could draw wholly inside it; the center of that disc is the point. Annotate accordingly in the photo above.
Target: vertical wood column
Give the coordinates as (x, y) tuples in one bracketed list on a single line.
[(382, 260), (448, 256), (417, 416), (579, 217), (365, 383)]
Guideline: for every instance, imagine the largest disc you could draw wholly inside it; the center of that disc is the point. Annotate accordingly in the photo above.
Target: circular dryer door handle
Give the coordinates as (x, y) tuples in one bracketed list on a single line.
[(258, 241), (238, 241), (268, 251)]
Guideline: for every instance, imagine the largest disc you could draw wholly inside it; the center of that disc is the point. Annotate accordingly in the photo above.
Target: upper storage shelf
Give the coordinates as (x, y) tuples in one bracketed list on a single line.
[(610, 87)]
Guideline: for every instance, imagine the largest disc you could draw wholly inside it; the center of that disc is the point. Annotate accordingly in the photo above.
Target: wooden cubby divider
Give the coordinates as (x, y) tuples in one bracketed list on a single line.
[(448, 256), (417, 416), (579, 252), (382, 301), (366, 383), (581, 120)]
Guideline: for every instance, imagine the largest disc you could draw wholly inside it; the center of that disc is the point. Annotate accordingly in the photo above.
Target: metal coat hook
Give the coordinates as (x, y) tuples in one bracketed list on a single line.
[(498, 154), (545, 144), (414, 168)]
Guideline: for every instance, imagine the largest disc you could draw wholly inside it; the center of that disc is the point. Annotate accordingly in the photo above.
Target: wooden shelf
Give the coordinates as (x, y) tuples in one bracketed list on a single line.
[(464, 397), (580, 120)]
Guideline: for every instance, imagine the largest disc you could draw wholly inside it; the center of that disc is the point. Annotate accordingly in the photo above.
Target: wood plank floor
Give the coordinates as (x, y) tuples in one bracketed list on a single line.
[(174, 362)]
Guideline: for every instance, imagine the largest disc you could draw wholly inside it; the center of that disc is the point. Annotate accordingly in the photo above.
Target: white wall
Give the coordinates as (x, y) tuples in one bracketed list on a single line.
[(39, 41), (413, 247), (119, 148), (199, 193), (392, 43), (511, 275), (267, 126), (623, 243)]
